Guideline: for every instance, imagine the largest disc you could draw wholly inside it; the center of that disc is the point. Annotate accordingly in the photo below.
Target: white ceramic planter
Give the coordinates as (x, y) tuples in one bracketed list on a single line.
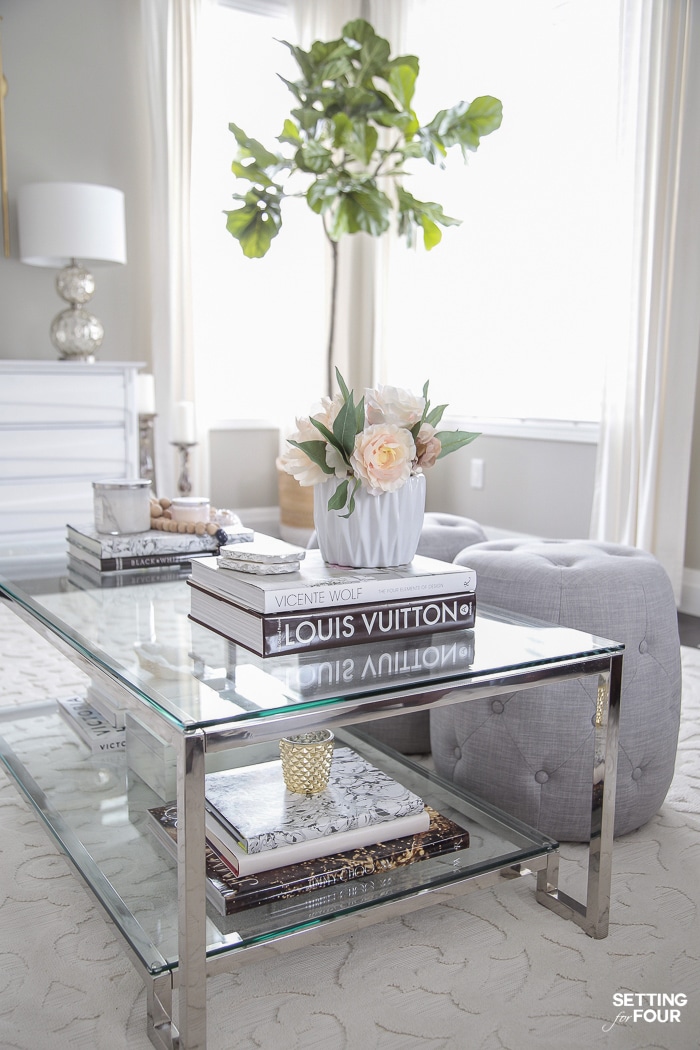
[(382, 531)]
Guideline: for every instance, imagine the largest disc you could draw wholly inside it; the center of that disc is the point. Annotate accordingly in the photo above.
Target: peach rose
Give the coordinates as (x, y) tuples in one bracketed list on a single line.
[(383, 457), (428, 446), (393, 404)]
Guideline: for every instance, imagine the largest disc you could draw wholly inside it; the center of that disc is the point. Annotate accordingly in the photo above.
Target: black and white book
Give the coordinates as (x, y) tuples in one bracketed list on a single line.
[(251, 807), (298, 631), (244, 863), (319, 586), (153, 541), (254, 805), (95, 731), (127, 562)]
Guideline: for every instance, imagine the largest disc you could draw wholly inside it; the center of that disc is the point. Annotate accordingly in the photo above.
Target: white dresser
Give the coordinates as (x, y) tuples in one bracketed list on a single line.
[(63, 425)]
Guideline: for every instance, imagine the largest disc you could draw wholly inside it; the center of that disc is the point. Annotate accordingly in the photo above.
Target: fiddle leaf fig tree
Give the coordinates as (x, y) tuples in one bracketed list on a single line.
[(347, 145)]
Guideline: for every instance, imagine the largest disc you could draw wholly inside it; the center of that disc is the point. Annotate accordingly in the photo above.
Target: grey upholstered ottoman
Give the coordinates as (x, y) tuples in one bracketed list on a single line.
[(531, 753), (443, 536)]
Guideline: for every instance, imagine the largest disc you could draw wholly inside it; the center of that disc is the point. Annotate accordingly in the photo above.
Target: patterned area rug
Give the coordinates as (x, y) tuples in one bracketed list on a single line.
[(493, 971)]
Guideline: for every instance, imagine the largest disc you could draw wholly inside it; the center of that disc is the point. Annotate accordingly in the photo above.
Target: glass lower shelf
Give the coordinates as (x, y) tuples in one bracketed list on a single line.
[(97, 808)]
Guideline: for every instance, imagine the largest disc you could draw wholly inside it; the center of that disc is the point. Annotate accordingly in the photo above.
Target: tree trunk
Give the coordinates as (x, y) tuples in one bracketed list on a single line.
[(330, 370)]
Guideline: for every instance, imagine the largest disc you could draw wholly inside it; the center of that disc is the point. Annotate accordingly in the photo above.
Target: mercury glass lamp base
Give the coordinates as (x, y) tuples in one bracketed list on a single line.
[(76, 334)]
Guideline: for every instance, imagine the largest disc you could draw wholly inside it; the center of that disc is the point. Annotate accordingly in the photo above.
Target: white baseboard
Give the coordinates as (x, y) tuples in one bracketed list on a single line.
[(690, 593)]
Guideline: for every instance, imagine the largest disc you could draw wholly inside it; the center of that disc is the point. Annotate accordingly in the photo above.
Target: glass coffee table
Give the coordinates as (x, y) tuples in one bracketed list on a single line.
[(193, 701)]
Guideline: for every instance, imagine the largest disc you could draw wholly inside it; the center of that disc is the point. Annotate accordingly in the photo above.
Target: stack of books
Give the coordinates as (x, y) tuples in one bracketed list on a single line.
[(319, 605), (99, 560), (97, 732), (266, 844)]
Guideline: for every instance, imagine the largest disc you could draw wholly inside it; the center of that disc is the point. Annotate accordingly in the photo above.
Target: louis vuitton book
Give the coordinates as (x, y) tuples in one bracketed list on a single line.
[(317, 585), (299, 631)]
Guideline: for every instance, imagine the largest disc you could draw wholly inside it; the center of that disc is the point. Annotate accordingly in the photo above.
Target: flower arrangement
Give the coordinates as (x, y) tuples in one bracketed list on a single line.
[(377, 444)]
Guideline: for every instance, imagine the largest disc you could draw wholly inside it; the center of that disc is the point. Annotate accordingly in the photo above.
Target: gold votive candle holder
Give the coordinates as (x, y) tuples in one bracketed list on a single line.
[(306, 761)]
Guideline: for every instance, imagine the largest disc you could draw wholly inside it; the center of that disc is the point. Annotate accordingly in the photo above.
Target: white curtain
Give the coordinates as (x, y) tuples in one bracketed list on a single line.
[(641, 494), (170, 29)]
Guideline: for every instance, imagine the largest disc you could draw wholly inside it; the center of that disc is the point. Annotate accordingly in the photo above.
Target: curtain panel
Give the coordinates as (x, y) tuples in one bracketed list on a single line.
[(170, 33), (643, 470)]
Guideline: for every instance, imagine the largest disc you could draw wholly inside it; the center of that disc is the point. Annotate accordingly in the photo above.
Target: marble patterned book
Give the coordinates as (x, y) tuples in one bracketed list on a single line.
[(256, 808), (140, 543)]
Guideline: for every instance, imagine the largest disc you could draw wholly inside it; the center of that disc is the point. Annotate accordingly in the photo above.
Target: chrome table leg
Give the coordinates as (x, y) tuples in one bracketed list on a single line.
[(594, 915)]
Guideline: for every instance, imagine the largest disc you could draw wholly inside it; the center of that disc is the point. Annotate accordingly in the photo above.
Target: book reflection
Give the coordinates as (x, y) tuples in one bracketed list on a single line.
[(351, 670)]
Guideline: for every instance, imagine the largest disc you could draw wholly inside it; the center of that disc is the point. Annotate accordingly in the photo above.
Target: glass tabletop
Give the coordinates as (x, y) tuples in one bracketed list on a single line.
[(141, 636)]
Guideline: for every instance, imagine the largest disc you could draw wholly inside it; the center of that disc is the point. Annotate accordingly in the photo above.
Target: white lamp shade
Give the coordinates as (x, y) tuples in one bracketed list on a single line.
[(60, 221)]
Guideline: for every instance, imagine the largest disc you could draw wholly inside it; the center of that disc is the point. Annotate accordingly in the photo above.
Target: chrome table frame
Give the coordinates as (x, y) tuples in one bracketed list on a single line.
[(592, 914), (188, 979)]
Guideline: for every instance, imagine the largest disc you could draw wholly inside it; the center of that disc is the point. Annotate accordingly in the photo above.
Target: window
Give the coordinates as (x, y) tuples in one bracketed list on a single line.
[(259, 324), (512, 315)]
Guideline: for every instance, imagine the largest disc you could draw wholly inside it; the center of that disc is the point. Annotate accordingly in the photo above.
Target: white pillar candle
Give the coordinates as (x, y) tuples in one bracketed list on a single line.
[(145, 395), (183, 423)]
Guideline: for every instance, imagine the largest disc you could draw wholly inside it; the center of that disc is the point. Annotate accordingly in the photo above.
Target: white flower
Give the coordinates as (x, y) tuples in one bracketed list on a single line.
[(393, 404), (330, 407), (296, 462), (383, 457), (328, 410)]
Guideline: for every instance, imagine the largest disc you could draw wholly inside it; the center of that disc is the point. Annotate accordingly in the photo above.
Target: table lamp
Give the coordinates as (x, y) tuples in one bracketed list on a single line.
[(72, 225)]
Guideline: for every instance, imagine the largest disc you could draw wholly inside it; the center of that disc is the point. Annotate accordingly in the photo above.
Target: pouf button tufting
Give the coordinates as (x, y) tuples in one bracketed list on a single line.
[(636, 773), (604, 589), (457, 753), (498, 707)]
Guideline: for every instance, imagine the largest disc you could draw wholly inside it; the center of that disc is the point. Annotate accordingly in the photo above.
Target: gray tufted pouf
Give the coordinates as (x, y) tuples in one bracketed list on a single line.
[(443, 536), (531, 753)]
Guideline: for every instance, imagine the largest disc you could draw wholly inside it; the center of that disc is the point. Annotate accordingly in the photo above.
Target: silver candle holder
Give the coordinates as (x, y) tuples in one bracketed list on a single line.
[(147, 456), (184, 484)]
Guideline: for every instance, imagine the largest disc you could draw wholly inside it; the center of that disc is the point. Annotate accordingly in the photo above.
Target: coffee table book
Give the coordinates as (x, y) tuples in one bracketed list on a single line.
[(230, 893), (141, 543), (320, 586), (133, 561), (296, 631), (100, 735), (251, 806)]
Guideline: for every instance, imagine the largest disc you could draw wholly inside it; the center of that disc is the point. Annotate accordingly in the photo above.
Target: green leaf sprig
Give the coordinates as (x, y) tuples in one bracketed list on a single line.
[(351, 130)]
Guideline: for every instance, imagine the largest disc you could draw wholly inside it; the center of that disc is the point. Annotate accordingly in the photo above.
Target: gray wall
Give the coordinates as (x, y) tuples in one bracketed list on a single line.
[(534, 486), (76, 110)]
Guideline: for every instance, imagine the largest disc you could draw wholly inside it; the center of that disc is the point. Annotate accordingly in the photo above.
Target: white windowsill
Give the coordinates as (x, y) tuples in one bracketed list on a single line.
[(532, 429)]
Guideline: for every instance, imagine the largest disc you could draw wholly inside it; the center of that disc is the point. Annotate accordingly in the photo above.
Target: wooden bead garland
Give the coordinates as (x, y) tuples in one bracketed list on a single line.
[(161, 519)]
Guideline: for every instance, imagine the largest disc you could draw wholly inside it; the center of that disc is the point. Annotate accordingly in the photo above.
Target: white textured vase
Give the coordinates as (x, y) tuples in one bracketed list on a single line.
[(382, 531)]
